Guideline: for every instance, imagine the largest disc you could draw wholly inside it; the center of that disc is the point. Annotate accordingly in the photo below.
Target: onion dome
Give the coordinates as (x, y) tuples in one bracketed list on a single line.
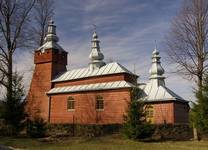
[(51, 39), (156, 71), (96, 57)]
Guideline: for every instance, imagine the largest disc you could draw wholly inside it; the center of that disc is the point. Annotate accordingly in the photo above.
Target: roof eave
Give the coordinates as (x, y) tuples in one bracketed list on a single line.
[(67, 92), (166, 100)]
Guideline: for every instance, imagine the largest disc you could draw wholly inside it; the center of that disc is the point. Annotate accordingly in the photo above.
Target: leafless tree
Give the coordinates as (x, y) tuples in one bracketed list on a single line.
[(188, 40), (43, 10), (14, 18)]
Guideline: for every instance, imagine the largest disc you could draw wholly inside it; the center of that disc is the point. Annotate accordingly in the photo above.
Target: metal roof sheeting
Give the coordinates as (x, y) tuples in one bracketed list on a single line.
[(155, 90), (110, 68), (154, 93), (49, 45), (91, 87)]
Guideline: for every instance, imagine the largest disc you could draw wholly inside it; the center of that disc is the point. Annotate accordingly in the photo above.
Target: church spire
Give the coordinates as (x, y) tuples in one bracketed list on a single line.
[(96, 57), (156, 71), (51, 32), (51, 39)]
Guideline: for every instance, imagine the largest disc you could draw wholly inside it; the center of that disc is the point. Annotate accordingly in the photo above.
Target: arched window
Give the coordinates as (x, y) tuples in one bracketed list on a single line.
[(149, 112), (70, 103), (99, 103)]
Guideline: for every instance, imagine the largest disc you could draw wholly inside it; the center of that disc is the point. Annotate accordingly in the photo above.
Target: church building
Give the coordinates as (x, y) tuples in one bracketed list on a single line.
[(100, 92)]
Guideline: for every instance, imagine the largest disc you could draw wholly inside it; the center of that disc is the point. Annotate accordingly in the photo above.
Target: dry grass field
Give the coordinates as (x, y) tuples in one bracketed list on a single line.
[(104, 143)]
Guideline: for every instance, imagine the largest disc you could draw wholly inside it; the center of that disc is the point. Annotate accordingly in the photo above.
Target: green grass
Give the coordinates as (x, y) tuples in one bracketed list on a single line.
[(104, 143)]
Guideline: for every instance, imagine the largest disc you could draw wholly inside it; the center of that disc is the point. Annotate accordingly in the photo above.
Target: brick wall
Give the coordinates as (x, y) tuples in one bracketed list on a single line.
[(170, 112), (115, 106), (37, 100), (50, 55), (181, 112), (48, 65), (163, 112), (99, 79)]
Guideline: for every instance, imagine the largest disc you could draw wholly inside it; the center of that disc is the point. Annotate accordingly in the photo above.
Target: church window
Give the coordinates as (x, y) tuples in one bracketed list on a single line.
[(70, 103), (149, 112), (99, 103)]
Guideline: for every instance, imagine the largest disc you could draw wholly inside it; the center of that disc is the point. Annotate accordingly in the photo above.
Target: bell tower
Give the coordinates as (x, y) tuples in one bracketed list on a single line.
[(50, 60)]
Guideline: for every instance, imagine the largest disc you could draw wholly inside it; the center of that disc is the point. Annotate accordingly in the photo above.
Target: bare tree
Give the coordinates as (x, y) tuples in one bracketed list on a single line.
[(188, 40), (44, 10), (14, 17)]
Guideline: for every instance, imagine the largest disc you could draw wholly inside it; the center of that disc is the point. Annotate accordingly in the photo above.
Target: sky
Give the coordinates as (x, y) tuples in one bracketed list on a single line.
[(127, 30)]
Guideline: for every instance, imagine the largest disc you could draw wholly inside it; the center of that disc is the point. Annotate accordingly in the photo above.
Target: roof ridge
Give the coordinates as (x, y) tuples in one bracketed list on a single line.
[(109, 68), (125, 68)]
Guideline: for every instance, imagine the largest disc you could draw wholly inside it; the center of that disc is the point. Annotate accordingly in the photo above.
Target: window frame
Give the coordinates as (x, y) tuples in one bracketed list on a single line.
[(99, 103), (70, 102), (149, 113)]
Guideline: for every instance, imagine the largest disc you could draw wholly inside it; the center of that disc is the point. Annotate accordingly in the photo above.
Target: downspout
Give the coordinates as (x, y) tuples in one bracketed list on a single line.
[(49, 109)]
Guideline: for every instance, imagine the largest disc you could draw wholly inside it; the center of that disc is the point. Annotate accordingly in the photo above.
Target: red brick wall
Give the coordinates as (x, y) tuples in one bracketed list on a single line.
[(115, 106), (48, 64), (37, 98), (170, 112), (181, 111), (50, 55), (163, 112), (100, 79)]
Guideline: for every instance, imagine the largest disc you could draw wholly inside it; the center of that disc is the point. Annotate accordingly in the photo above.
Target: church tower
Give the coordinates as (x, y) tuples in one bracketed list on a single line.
[(50, 59), (96, 55), (156, 71)]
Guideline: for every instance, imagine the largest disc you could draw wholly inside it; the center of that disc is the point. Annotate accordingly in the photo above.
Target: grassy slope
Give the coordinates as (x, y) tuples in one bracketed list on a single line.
[(106, 143)]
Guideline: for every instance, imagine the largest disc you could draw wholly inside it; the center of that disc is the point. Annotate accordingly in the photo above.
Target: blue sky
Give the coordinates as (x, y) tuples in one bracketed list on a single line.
[(127, 30)]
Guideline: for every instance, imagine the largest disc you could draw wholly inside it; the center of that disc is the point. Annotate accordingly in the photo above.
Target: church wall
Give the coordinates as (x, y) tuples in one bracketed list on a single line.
[(99, 79), (37, 100), (48, 64), (181, 111), (163, 112), (115, 106), (170, 112)]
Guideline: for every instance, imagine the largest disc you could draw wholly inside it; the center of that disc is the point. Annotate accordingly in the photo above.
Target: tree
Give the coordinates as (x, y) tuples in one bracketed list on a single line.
[(43, 10), (36, 128), (200, 110), (13, 110), (188, 40), (14, 19), (135, 126)]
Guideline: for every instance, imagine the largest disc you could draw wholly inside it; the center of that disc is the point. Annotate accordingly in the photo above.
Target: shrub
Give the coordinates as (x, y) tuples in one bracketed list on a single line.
[(5, 129), (135, 126), (82, 130), (145, 130), (36, 128)]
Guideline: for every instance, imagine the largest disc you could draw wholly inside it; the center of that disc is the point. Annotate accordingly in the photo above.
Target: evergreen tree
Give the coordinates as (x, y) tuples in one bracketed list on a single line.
[(36, 128), (200, 110), (135, 126), (13, 109)]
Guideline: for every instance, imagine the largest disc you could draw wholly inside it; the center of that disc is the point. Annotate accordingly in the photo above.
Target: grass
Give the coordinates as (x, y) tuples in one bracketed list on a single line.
[(104, 143)]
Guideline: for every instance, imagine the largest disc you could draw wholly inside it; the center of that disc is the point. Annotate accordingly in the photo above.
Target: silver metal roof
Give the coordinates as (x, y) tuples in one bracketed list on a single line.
[(156, 90), (51, 39), (110, 68), (96, 56), (91, 87), (154, 93)]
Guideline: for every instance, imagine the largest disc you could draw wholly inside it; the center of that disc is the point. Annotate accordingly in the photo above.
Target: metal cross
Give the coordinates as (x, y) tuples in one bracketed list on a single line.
[(94, 27), (155, 44)]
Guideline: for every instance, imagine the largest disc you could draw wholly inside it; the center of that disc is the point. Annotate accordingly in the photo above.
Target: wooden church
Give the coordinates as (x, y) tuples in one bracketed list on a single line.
[(98, 93)]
